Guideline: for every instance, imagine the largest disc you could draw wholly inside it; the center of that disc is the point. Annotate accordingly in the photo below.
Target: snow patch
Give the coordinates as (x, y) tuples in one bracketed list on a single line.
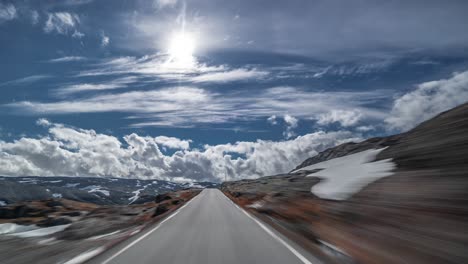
[(29, 181), (29, 230), (3, 203), (136, 194), (10, 228), (57, 195), (96, 188), (57, 181), (342, 177), (257, 204)]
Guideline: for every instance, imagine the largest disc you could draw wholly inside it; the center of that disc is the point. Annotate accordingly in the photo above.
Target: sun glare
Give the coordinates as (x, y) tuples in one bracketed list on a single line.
[(181, 49)]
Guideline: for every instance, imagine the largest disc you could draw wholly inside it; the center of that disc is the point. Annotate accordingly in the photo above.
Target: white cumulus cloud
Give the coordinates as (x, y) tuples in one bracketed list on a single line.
[(173, 142), (345, 118), (291, 123), (272, 120), (427, 100), (79, 152)]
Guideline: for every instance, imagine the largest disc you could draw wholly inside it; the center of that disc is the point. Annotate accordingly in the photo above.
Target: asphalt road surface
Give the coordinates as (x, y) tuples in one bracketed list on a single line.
[(210, 229)]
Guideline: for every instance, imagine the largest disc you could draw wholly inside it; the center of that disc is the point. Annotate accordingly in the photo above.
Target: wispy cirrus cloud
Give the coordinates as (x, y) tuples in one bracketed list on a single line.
[(68, 59), (87, 87), (185, 106), (27, 80), (159, 65), (230, 75)]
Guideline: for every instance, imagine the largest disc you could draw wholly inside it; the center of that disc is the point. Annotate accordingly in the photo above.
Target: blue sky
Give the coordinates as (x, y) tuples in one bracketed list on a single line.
[(261, 85)]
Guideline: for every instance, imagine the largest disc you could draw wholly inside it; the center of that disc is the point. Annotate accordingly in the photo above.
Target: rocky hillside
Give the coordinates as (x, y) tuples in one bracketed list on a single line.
[(103, 191), (65, 231), (416, 211)]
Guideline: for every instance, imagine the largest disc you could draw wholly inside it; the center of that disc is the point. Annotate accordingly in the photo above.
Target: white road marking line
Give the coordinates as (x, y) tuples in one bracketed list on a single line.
[(147, 234), (271, 233)]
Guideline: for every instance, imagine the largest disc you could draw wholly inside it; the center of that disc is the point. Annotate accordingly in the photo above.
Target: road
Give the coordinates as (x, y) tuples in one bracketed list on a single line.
[(210, 229)]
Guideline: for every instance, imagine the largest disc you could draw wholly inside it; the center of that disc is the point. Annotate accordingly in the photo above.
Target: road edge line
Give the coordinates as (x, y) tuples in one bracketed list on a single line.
[(272, 234)]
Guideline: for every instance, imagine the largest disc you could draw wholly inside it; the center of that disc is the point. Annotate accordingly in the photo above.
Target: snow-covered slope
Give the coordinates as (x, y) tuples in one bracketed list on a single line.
[(23, 231), (344, 176)]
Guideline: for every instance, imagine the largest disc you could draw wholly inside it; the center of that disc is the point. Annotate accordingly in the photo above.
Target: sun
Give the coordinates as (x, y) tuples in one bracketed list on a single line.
[(181, 49)]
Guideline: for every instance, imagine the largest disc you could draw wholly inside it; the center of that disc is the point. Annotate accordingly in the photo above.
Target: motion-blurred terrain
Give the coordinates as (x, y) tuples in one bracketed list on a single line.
[(61, 230), (407, 203)]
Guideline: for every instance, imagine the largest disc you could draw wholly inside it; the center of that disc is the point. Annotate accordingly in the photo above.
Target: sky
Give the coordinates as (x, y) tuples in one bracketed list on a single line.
[(211, 90)]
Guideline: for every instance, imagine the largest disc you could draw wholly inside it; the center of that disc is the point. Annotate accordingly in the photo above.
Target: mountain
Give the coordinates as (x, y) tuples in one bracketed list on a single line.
[(103, 191), (396, 199)]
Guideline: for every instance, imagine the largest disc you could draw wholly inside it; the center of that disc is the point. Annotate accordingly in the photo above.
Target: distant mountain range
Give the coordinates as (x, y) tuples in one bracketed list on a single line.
[(103, 191)]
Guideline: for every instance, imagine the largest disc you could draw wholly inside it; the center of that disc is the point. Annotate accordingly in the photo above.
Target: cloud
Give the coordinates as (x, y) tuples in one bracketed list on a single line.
[(291, 123), (161, 66), (76, 2), (188, 106), (61, 22), (173, 142), (83, 87), (7, 12), (272, 120), (361, 67), (75, 88), (34, 17), (68, 59), (345, 118), (365, 29), (164, 3), (365, 128), (26, 80), (77, 34), (427, 100), (79, 152), (43, 122), (230, 75), (105, 40)]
